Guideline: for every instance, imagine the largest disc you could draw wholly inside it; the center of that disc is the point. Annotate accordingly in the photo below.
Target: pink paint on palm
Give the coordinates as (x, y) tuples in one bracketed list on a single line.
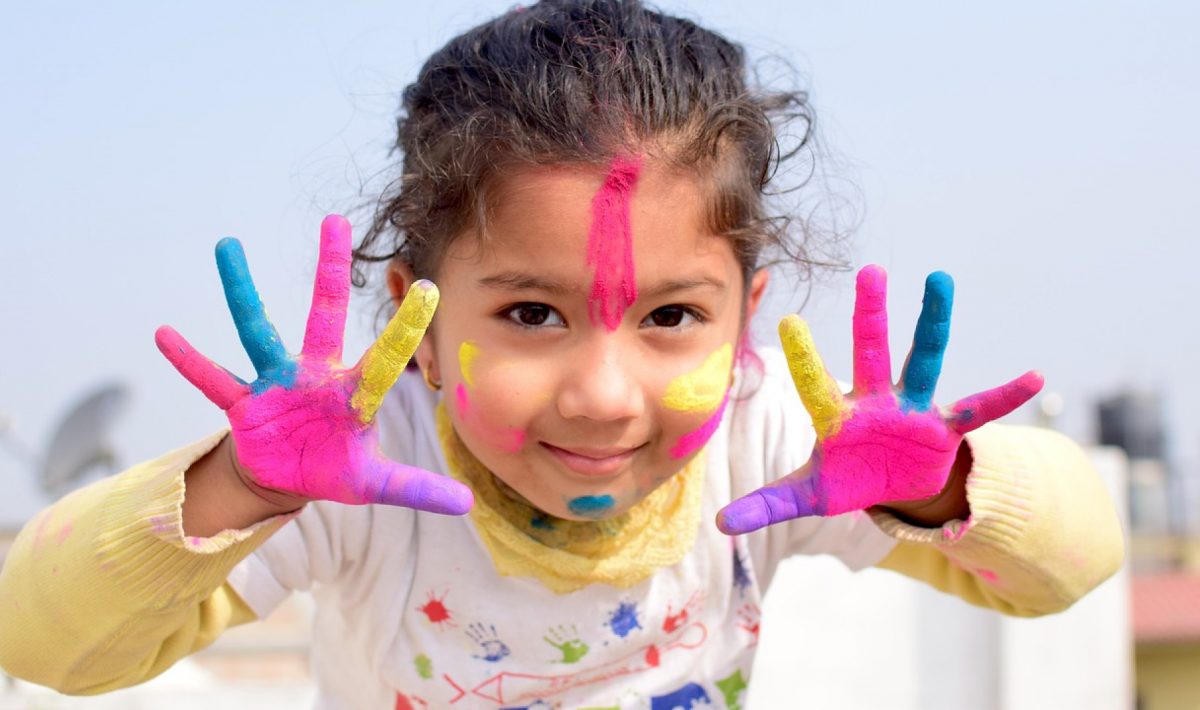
[(304, 437), (880, 454), (307, 440), (610, 245), (694, 440)]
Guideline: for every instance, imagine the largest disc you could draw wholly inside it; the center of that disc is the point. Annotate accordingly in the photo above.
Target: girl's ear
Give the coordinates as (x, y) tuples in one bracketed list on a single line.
[(399, 278), (758, 287)]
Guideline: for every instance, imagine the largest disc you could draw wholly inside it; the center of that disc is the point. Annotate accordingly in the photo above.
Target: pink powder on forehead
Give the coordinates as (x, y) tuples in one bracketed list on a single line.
[(610, 244)]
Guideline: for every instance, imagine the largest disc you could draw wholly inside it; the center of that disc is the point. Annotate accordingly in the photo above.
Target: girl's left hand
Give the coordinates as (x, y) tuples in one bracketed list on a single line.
[(881, 443)]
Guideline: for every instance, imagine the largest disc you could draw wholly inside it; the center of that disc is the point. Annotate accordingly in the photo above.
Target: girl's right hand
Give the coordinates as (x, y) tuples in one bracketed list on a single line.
[(304, 429)]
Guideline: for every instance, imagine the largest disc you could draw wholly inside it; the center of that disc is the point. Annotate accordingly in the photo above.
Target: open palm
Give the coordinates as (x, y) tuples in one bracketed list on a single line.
[(882, 443), (305, 427)]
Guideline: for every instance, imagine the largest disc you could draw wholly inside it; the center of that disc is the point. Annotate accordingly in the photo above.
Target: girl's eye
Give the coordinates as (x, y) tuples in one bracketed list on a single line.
[(532, 315), (671, 317)]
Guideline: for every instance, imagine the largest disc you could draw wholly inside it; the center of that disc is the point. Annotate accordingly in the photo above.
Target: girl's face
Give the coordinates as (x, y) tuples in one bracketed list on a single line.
[(579, 394)]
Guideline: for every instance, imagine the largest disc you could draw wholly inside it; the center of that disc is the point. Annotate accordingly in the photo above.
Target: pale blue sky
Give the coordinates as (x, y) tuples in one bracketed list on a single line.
[(1046, 155)]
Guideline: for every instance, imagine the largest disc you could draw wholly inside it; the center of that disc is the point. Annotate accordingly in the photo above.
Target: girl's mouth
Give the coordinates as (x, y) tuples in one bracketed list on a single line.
[(592, 462)]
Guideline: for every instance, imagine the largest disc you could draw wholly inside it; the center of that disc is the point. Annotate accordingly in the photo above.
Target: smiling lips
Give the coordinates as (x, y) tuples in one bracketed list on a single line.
[(592, 462)]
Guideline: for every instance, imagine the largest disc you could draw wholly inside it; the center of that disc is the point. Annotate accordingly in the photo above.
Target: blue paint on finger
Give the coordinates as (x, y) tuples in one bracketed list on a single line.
[(929, 344), (259, 337)]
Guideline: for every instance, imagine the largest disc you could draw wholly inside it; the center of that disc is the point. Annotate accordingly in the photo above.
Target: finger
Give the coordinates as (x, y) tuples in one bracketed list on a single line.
[(385, 359), (929, 343), (397, 484), (331, 292), (818, 391), (259, 337), (970, 413), (872, 359), (786, 499), (214, 381)]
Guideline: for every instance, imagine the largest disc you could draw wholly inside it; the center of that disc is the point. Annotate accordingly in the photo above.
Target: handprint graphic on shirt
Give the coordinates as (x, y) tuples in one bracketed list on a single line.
[(566, 640), (490, 645)]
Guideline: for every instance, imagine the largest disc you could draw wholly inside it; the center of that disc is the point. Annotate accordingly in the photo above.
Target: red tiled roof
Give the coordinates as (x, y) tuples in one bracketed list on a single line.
[(1166, 607)]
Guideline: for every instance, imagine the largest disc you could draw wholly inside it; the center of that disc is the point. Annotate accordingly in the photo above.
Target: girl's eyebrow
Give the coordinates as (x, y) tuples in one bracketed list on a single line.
[(673, 285), (518, 281)]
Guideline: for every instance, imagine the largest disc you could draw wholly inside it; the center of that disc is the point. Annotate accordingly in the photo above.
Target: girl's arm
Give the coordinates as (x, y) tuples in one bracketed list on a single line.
[(105, 589), (1041, 533), (143, 583)]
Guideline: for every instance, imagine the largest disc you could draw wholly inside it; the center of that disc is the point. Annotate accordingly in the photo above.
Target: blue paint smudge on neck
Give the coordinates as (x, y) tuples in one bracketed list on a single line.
[(591, 506)]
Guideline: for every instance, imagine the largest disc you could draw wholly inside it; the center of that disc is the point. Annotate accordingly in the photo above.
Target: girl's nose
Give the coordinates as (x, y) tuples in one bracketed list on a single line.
[(601, 385)]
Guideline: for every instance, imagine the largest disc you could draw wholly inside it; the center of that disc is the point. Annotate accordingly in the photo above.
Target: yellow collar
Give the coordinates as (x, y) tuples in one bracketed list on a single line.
[(566, 555)]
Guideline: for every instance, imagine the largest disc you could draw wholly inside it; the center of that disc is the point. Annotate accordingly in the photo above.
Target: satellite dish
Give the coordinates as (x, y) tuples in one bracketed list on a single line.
[(80, 444)]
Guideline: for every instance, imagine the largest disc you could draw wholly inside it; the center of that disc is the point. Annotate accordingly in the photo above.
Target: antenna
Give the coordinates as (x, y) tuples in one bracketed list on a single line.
[(81, 442)]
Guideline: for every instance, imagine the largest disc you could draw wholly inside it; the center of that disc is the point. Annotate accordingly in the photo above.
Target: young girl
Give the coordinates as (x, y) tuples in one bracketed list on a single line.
[(581, 497)]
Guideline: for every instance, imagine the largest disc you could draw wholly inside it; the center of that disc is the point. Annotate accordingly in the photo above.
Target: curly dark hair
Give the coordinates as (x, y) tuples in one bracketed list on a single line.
[(581, 81)]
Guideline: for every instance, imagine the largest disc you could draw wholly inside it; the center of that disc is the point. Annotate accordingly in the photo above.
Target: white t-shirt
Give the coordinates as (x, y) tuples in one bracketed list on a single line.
[(412, 613)]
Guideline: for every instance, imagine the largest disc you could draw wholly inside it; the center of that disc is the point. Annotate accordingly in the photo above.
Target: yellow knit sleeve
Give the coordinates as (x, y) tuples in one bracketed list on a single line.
[(1042, 531), (103, 590)]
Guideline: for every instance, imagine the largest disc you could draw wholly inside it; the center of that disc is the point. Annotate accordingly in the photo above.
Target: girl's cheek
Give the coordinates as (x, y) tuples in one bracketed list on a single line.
[(493, 398), (696, 402), (702, 389)]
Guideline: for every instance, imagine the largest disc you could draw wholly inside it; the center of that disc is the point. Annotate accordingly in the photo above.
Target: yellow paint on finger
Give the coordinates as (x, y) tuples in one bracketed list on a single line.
[(702, 389), (467, 352), (386, 358), (820, 393)]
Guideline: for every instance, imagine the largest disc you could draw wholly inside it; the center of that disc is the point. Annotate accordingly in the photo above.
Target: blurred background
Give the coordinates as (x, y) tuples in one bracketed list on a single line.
[(1045, 155)]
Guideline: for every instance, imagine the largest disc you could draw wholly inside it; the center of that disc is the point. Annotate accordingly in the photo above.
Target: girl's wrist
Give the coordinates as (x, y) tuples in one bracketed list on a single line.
[(220, 495), (950, 504), (277, 501)]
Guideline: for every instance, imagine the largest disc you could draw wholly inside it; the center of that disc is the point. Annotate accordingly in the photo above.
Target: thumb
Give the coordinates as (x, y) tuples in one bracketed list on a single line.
[(791, 497), (392, 483)]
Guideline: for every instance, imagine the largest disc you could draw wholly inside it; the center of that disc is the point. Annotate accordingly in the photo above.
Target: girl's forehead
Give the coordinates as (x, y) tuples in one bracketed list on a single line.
[(540, 219), (559, 205)]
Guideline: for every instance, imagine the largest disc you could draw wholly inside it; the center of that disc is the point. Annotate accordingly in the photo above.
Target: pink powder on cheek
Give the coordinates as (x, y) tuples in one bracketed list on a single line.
[(516, 439), (509, 439), (692, 441), (610, 245), (987, 574), (460, 398)]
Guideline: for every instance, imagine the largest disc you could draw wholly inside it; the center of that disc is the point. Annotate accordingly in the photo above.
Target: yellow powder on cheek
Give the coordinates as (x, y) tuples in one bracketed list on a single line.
[(467, 353), (702, 389)]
